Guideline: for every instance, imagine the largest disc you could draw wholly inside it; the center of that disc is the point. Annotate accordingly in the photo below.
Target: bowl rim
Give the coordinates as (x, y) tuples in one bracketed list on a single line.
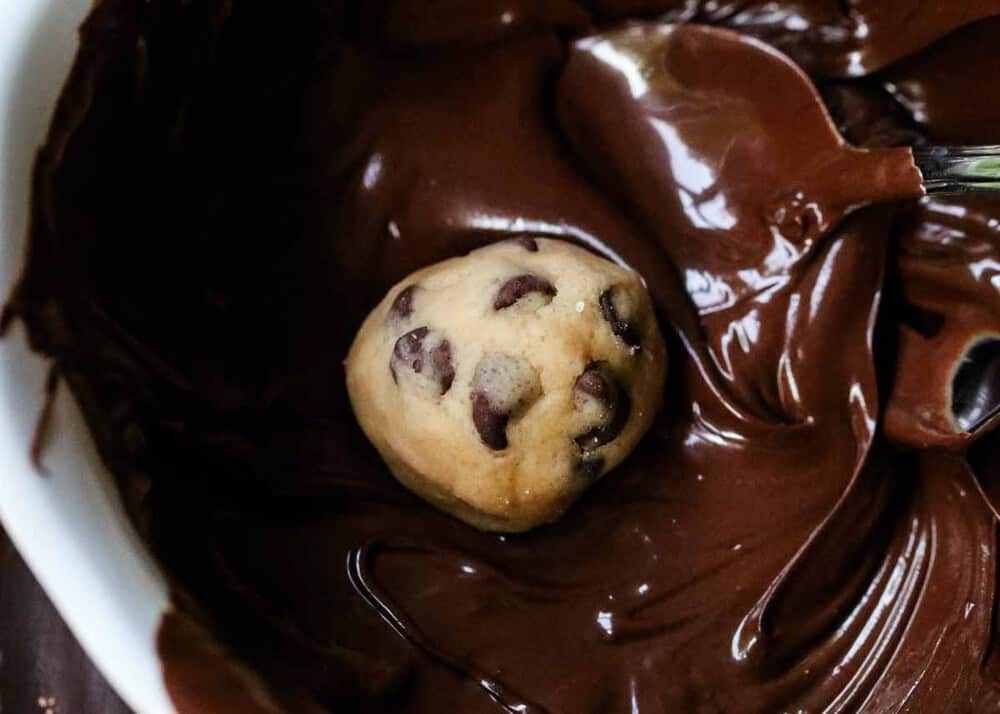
[(68, 521)]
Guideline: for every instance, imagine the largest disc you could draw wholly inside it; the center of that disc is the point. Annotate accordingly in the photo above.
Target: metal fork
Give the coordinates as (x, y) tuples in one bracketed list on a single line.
[(959, 169)]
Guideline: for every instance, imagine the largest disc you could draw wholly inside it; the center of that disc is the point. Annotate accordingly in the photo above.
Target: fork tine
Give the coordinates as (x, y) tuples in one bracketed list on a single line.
[(959, 169)]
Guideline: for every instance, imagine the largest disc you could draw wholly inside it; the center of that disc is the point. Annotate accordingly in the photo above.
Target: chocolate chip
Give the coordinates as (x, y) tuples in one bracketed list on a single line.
[(402, 306), (620, 325), (491, 425), (424, 352), (521, 285), (528, 243), (596, 391), (409, 350), (502, 387), (594, 383)]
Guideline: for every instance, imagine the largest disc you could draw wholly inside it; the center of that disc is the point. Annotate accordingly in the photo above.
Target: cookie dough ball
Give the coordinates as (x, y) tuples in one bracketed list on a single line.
[(500, 385)]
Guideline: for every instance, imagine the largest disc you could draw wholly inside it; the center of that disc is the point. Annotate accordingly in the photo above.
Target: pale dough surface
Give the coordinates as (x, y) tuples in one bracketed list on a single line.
[(523, 359)]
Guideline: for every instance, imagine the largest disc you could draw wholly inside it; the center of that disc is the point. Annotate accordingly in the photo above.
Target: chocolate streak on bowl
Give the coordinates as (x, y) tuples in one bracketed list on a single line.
[(227, 189)]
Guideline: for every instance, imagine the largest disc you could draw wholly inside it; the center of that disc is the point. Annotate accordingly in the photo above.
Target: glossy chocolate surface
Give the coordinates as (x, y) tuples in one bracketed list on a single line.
[(228, 189)]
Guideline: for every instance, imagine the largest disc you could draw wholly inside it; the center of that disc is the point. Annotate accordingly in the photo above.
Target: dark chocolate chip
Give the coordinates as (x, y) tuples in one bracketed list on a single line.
[(519, 286), (441, 360), (502, 387), (594, 382), (528, 243), (424, 352), (409, 350), (402, 306), (620, 327), (491, 425), (597, 382)]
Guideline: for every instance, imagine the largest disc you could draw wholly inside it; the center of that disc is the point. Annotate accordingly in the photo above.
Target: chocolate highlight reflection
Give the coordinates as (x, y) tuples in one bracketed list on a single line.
[(228, 188)]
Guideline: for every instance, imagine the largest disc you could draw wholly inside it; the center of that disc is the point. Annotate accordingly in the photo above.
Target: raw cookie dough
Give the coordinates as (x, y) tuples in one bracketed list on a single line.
[(499, 385)]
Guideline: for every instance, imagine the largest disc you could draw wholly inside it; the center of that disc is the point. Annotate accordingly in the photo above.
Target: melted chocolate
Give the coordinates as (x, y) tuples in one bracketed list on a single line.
[(226, 191)]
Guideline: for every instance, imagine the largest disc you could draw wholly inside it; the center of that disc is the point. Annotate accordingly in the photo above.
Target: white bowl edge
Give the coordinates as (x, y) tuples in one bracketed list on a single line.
[(68, 523)]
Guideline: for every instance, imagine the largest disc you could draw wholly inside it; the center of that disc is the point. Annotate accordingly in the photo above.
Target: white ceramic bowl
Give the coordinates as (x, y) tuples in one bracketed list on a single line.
[(68, 523)]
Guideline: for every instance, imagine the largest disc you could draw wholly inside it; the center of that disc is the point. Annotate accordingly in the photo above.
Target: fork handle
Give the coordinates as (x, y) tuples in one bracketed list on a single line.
[(958, 169)]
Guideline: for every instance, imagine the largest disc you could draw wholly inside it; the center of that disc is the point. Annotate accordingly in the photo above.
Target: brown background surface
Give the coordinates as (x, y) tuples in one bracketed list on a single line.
[(40, 660)]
